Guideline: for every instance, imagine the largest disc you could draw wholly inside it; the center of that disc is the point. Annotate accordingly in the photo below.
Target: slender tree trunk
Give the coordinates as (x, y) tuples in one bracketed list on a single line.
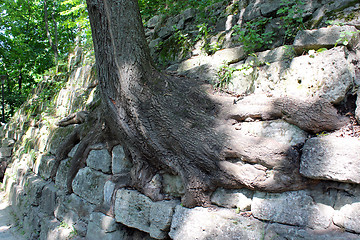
[(53, 44)]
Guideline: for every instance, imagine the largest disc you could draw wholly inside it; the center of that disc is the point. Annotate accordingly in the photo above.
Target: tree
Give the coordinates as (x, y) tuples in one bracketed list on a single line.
[(169, 123)]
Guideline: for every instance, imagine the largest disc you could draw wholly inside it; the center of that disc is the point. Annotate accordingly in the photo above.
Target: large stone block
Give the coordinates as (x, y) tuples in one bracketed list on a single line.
[(136, 210), (328, 75), (331, 158), (44, 165), (62, 173), (326, 38), (99, 160), (89, 184), (48, 199), (293, 208), (220, 224), (278, 130), (33, 187)]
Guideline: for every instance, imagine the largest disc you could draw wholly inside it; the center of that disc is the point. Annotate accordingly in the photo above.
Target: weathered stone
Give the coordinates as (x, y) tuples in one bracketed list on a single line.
[(44, 164), (95, 232), (133, 209), (173, 185), (188, 14), (348, 217), (52, 229), (120, 163), (228, 55), (138, 211), (106, 223), (333, 73), (89, 184), (292, 208), (62, 173), (278, 130), (48, 199), (278, 54), (160, 218), (202, 223), (109, 188), (99, 160), (33, 186), (326, 158), (233, 198), (325, 38), (154, 21), (284, 232)]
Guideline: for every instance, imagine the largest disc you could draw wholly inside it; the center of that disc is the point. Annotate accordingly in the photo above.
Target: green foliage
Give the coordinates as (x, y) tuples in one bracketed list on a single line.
[(346, 36), (253, 35), (149, 8), (25, 51), (226, 73), (177, 45), (291, 13)]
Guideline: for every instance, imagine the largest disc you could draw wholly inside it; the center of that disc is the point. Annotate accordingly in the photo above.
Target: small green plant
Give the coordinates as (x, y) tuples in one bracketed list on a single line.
[(204, 35), (225, 74), (346, 36), (253, 35), (291, 13)]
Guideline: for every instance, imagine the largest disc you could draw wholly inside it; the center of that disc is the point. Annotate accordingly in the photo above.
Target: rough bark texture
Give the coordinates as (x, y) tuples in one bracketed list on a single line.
[(172, 124)]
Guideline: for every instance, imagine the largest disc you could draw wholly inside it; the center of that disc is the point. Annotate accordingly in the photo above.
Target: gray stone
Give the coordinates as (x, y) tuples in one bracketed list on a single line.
[(62, 173), (292, 208), (105, 223), (278, 130), (173, 185), (109, 188), (82, 208), (120, 163), (327, 158), (160, 218), (133, 209), (136, 210), (228, 55), (154, 21), (33, 186), (220, 224), (325, 38), (44, 165), (99, 160), (48, 199), (333, 73), (233, 198), (52, 229), (95, 232), (348, 217), (188, 14), (278, 54), (284, 232), (89, 184)]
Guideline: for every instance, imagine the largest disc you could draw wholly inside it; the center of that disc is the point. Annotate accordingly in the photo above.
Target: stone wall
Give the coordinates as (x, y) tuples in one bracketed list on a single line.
[(326, 208)]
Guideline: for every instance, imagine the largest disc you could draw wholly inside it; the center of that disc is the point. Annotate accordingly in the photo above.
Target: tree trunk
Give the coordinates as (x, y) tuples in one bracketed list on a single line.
[(167, 123), (53, 44)]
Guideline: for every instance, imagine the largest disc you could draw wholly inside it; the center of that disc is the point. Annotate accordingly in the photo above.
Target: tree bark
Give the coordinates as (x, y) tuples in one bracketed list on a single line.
[(167, 123), (53, 44)]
